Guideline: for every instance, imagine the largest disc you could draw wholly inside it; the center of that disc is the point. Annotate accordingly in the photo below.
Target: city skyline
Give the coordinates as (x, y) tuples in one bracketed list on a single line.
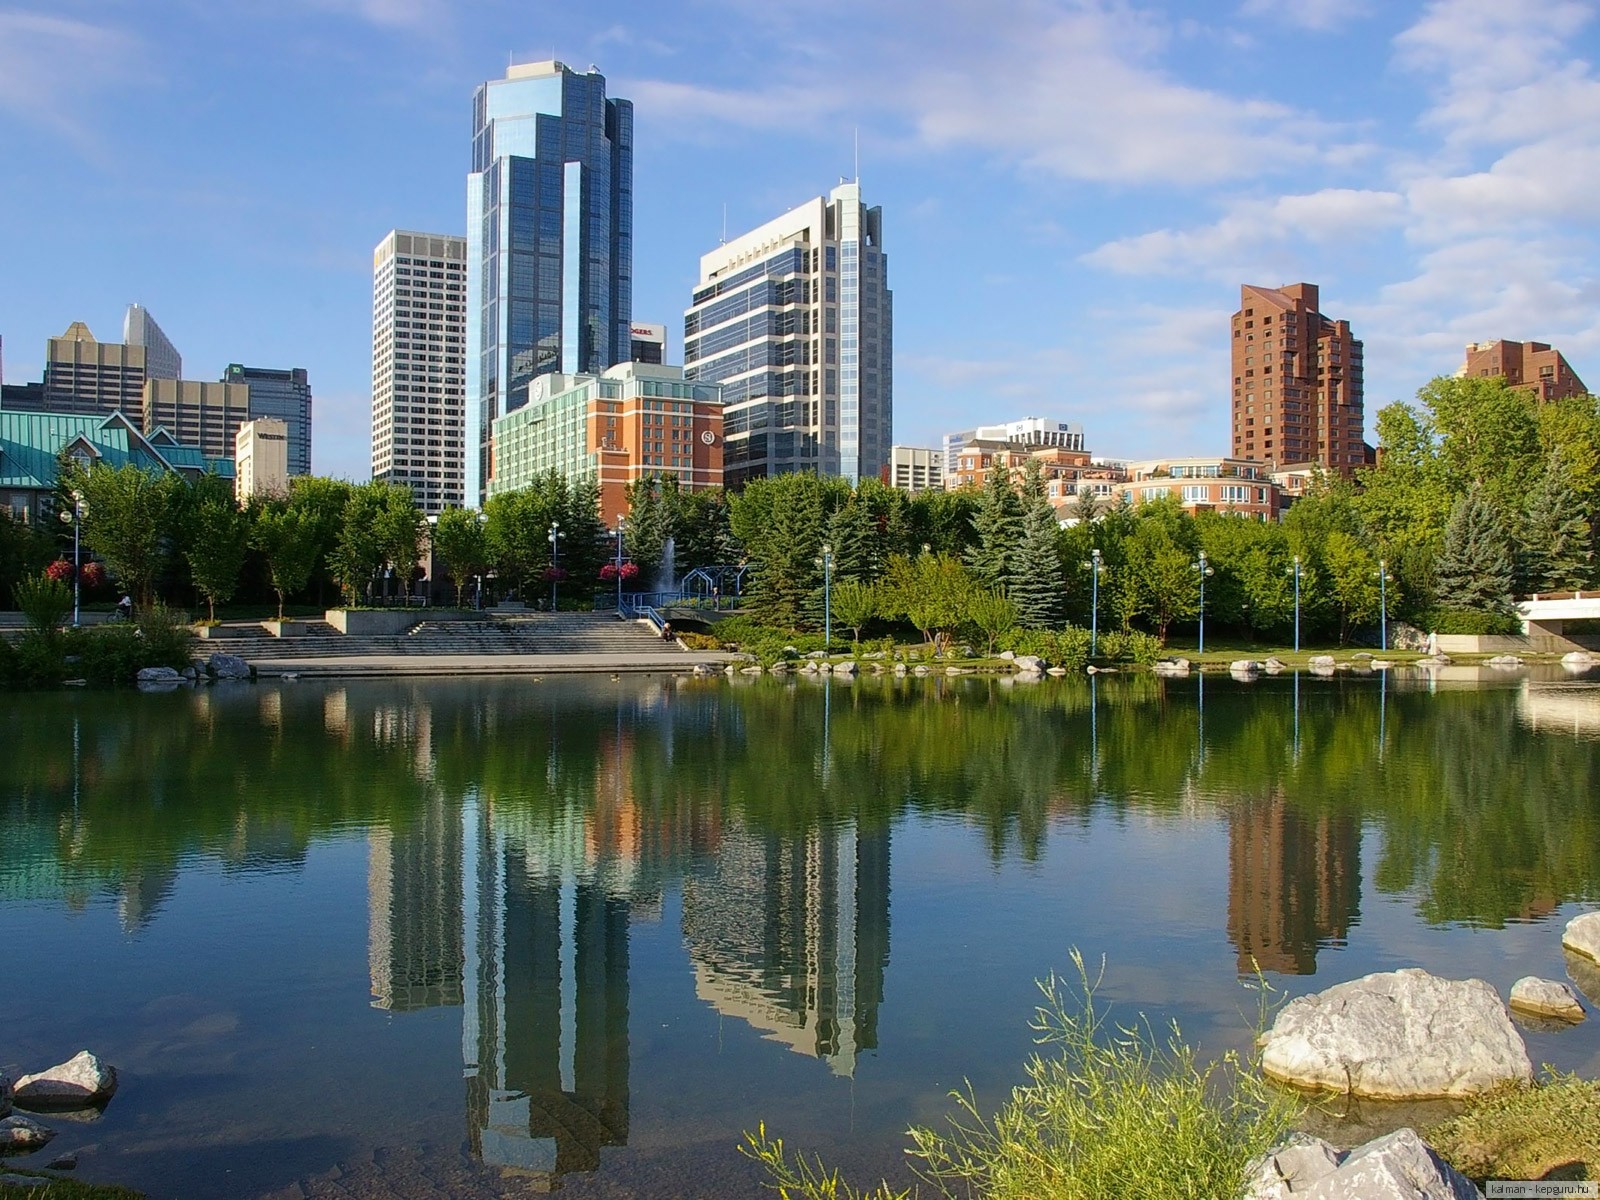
[(1101, 200)]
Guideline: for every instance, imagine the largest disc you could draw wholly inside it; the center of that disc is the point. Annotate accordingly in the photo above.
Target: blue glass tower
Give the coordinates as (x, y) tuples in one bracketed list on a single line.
[(549, 241)]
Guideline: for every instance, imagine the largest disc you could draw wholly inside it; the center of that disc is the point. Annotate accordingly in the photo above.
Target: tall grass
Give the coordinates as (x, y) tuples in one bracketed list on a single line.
[(1109, 1110)]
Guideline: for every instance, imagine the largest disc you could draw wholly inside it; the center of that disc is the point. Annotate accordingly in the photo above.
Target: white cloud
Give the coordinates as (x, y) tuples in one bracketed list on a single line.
[(1076, 91), (1321, 16), (51, 66), (420, 15), (1255, 236)]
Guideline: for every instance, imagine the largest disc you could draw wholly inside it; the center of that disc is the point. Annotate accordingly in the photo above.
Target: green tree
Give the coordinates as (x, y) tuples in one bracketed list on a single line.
[(1037, 583), (940, 520), (1488, 438), (850, 533), (286, 535), (458, 538), (585, 540), (996, 526), (219, 537), (1557, 550), (128, 516), (323, 501), (993, 614), (517, 532), (24, 551), (932, 591), (652, 519), (1163, 584), (1475, 569), (1351, 579), (854, 604)]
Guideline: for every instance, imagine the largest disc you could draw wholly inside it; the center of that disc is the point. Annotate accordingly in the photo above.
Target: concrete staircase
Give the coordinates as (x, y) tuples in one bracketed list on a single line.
[(532, 633)]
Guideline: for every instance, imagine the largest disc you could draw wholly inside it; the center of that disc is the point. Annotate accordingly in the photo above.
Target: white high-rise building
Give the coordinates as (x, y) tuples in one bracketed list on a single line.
[(419, 299), (794, 320), (1029, 431), (161, 357)]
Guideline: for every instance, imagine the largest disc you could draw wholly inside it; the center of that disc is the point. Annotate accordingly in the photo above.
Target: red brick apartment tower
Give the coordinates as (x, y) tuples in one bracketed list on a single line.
[(1297, 391), (1533, 366)]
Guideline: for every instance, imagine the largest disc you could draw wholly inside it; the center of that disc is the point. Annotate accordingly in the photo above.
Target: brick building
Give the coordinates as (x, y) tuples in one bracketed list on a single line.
[(1297, 393), (1534, 366)]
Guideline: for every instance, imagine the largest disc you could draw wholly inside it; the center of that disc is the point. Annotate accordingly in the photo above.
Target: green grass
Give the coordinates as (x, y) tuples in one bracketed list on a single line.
[(1109, 1110), (43, 1186), (1547, 1130)]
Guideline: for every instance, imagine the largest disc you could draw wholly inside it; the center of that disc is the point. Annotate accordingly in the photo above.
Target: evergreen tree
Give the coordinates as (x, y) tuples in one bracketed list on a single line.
[(1475, 570), (649, 527), (997, 524), (1037, 584), (1557, 555), (850, 533)]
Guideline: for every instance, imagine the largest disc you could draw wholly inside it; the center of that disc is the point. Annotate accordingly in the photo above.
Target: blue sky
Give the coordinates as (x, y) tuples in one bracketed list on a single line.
[(1072, 191)]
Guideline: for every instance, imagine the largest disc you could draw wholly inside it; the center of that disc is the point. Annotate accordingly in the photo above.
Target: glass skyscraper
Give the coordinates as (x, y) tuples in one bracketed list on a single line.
[(549, 241), (795, 320)]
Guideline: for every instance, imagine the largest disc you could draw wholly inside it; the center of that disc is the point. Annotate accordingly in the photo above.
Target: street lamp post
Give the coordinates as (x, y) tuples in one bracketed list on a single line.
[(622, 521), (1095, 567), (826, 563), (1383, 604), (1295, 571), (75, 517), (555, 559), (1204, 570)]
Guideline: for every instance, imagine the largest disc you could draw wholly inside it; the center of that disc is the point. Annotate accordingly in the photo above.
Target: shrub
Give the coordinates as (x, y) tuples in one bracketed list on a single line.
[(1113, 645), (1525, 1132), (1471, 621), (168, 640), (1114, 1110), (700, 641), (8, 661), (1068, 648), (41, 659), (44, 601), (1143, 648), (111, 655)]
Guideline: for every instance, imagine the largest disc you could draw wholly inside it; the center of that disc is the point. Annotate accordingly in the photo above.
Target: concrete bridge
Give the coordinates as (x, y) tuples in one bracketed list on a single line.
[(1548, 614)]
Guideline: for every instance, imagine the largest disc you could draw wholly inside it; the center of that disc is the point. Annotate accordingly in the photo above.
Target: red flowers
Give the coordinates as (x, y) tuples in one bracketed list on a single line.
[(608, 573)]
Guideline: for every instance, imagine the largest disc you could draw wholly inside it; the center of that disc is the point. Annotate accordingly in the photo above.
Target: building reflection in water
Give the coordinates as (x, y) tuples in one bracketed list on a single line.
[(791, 934), (1294, 883)]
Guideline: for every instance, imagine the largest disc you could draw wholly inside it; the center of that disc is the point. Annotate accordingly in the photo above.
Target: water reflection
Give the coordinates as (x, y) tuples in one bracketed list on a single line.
[(516, 834)]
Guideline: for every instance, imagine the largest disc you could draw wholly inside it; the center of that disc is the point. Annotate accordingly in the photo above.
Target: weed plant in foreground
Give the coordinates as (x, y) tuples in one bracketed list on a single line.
[(1109, 1109)]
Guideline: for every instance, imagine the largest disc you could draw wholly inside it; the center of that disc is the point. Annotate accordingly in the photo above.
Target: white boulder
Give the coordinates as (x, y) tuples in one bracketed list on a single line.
[(1029, 662), (1546, 998), (1400, 1166), (1244, 668), (1274, 666), (1397, 1035), (1582, 936), (18, 1135), (1506, 662), (82, 1080), (1320, 660), (1008, 655), (845, 668)]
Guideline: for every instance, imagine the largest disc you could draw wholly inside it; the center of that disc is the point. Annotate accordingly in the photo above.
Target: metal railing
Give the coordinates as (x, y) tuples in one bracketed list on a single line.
[(633, 604)]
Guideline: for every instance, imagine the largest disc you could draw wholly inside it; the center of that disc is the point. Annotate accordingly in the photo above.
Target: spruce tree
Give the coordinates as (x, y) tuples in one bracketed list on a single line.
[(1038, 586), (1557, 555), (850, 533), (1476, 568), (997, 524)]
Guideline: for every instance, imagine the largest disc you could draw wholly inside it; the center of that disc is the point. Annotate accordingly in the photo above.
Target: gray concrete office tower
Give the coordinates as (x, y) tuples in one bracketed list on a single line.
[(161, 357), (795, 321), (284, 394), (419, 346), (549, 241)]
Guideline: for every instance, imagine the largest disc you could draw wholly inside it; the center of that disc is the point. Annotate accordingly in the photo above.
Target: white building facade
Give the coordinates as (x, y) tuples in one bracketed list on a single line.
[(795, 320), (419, 297)]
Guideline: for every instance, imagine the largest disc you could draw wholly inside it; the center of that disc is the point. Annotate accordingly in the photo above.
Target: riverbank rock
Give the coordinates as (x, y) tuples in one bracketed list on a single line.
[(1244, 668), (18, 1135), (1400, 1166), (158, 675), (1274, 666), (1506, 662), (1397, 1035), (1582, 936), (227, 666), (1546, 998), (1580, 660), (1056, 672), (79, 1082), (845, 668), (5, 1095), (1170, 666), (1029, 662), (1320, 660)]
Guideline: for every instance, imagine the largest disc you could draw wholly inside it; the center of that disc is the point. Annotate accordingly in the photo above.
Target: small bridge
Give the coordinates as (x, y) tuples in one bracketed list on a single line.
[(1547, 614)]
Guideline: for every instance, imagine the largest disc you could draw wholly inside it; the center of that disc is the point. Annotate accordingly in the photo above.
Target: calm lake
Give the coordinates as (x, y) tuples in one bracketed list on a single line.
[(351, 938)]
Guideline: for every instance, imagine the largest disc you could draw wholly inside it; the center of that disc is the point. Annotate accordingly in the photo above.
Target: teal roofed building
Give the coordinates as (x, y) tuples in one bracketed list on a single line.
[(32, 443)]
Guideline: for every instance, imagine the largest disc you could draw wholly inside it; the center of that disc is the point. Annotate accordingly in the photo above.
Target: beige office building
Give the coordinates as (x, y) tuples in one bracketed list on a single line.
[(419, 344), (261, 459), (207, 415), (85, 376), (916, 468)]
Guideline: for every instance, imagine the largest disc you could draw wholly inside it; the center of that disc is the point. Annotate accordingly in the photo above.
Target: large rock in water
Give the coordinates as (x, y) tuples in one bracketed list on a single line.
[(5, 1095), (1582, 936), (77, 1083), (1546, 998), (1400, 1166), (18, 1135), (1397, 1035), (228, 666)]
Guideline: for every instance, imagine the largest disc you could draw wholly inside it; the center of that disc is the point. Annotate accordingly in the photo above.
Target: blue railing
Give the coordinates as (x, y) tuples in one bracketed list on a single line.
[(634, 604)]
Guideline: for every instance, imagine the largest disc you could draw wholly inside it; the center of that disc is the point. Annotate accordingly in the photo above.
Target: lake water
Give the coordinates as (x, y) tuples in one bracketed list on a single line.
[(354, 938)]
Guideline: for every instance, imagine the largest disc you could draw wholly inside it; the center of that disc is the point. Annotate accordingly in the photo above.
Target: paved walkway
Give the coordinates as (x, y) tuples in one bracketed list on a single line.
[(670, 661)]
